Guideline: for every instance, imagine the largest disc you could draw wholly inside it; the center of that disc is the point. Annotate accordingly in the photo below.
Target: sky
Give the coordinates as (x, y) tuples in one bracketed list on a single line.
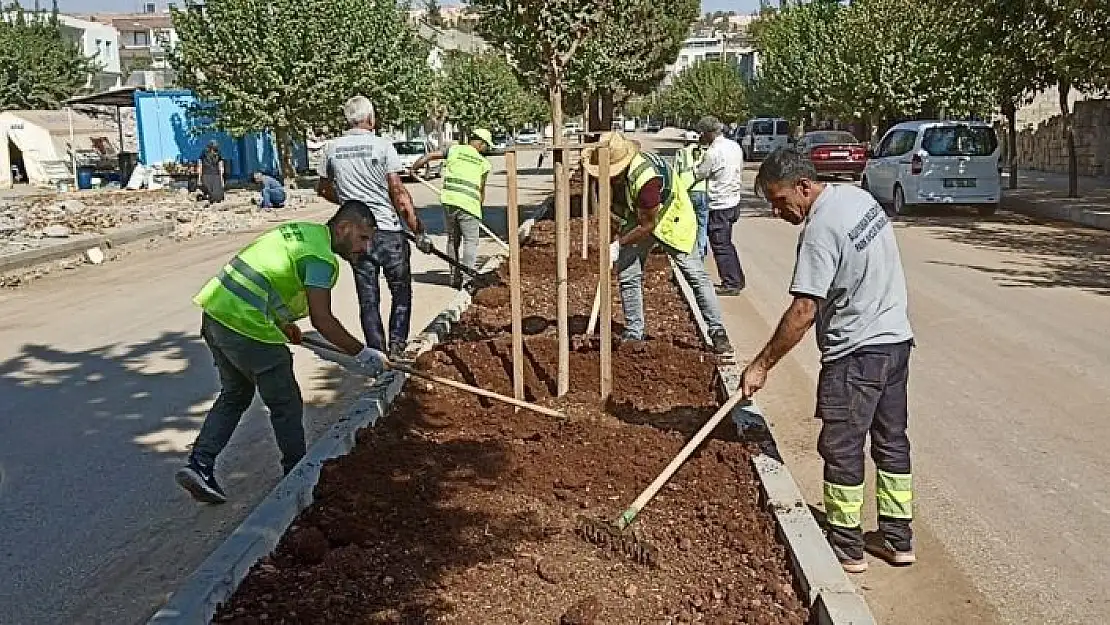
[(123, 6)]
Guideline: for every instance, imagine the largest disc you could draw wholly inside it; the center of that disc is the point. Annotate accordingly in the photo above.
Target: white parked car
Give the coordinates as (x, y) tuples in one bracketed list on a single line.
[(936, 162), (764, 135), (409, 151), (691, 135), (527, 137)]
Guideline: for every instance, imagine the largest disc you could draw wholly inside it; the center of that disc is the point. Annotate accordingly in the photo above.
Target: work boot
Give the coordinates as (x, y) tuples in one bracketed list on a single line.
[(397, 350), (851, 560), (891, 553), (728, 291), (721, 344), (200, 482)]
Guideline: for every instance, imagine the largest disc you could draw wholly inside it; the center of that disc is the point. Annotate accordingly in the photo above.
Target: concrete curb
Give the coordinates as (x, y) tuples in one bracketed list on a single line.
[(217, 578), (1073, 210), (833, 599), (80, 243)]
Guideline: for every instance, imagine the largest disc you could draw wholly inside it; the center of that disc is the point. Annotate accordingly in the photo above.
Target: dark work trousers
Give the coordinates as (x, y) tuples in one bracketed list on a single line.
[(724, 251), (245, 365), (859, 394), (389, 254)]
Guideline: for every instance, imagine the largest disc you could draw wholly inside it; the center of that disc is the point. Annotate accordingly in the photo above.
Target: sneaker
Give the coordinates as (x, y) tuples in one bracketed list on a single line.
[(200, 482), (397, 351), (721, 345), (851, 563), (883, 549), (728, 291)]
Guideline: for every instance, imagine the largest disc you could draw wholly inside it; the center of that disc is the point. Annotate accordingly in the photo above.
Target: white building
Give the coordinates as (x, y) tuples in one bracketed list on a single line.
[(99, 42), (145, 41), (736, 50)]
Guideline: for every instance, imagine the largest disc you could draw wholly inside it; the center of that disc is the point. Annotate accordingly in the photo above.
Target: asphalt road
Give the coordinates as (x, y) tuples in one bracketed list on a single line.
[(1009, 388), (103, 385)]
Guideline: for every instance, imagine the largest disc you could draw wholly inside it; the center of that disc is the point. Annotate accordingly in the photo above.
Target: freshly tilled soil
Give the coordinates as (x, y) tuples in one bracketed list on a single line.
[(456, 509)]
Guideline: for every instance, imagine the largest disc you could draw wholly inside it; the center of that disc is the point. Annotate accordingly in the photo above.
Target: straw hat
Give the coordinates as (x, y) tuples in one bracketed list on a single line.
[(621, 151)]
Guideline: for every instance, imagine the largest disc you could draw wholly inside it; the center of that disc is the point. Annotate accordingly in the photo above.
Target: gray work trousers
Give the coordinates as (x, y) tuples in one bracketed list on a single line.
[(245, 365), (462, 232)]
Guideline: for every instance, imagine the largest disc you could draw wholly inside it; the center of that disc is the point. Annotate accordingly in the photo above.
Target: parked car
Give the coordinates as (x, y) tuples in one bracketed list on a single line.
[(737, 134), (653, 127), (527, 136), (834, 152), (410, 151), (501, 142), (765, 135), (936, 162), (691, 135)]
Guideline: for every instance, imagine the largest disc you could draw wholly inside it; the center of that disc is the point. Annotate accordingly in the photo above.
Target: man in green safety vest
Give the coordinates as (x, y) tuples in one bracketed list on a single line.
[(250, 312), (848, 280), (653, 208), (464, 192), (686, 161)]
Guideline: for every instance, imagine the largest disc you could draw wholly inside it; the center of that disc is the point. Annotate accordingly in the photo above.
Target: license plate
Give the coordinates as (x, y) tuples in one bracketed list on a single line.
[(838, 154), (959, 182)]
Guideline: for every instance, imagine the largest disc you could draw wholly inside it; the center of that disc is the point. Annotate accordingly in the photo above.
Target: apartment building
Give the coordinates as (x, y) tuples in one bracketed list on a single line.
[(145, 40), (733, 48)]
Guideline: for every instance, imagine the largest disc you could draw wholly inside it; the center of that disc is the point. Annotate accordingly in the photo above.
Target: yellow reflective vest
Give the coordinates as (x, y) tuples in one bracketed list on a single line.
[(686, 161), (676, 224), (262, 287), (462, 179)]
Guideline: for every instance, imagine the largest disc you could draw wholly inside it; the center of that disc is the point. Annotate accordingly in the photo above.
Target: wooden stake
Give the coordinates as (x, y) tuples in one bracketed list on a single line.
[(513, 216), (605, 291), (562, 243), (586, 197)]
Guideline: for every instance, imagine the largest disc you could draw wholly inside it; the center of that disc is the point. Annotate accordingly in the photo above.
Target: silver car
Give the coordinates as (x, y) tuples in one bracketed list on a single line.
[(410, 151)]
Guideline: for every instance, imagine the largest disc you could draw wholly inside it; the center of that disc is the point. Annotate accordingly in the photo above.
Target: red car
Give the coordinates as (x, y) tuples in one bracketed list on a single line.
[(834, 153)]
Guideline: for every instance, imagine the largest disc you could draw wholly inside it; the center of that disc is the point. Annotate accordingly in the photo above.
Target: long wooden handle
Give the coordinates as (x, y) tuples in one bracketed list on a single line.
[(595, 311), (627, 517), (480, 224), (520, 403)]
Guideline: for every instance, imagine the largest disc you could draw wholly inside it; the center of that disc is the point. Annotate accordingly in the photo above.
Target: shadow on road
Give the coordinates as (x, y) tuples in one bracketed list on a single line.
[(1034, 253)]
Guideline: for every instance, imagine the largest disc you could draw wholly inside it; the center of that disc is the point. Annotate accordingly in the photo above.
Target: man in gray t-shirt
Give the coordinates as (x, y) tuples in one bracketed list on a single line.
[(360, 165), (848, 280)]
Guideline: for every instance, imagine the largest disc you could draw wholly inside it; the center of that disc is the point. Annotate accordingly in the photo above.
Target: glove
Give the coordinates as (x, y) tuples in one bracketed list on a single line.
[(424, 244), (614, 252), (371, 360)]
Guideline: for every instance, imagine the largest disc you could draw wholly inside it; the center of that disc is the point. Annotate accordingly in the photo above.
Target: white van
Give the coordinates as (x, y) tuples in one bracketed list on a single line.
[(936, 162), (765, 135)]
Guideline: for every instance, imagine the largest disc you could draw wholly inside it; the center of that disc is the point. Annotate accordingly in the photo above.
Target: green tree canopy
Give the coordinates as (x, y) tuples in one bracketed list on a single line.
[(707, 88), (288, 65), (39, 68), (481, 90)]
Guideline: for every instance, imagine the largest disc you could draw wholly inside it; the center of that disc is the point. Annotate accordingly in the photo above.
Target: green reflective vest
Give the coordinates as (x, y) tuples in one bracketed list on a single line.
[(462, 179), (686, 161), (676, 224), (262, 287)]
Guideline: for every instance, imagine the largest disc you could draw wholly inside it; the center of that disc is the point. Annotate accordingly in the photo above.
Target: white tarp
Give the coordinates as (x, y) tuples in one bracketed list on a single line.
[(43, 138)]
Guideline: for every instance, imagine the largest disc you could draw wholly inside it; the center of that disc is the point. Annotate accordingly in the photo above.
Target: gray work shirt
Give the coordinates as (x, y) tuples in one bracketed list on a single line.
[(848, 258), (357, 164)]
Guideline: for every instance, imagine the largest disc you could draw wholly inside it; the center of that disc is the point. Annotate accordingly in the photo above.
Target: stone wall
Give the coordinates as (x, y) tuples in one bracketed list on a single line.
[(1044, 147)]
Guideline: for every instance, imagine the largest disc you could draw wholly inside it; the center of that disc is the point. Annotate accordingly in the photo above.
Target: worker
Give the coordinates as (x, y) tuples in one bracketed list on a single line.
[(686, 160), (360, 165), (210, 174), (250, 311), (848, 280), (464, 192), (722, 167), (271, 193), (653, 208)]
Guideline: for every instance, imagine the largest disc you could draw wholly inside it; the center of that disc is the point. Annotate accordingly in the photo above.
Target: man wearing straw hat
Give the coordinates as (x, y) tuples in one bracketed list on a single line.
[(653, 208)]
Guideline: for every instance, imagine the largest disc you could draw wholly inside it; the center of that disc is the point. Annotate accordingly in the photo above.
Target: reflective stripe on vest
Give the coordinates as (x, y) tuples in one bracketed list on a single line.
[(686, 161), (894, 494), (261, 289), (462, 179), (843, 505), (676, 224)]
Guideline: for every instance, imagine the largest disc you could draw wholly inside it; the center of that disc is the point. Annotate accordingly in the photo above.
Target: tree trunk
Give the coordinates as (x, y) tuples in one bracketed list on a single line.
[(1009, 109), (1069, 135), (555, 101), (285, 158)]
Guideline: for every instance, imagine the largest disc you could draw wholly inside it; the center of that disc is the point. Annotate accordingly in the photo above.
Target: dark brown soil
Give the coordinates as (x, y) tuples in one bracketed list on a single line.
[(456, 509)]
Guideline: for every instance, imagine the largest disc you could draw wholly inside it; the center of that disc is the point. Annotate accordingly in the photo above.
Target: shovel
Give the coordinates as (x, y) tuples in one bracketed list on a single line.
[(480, 279), (327, 347), (612, 534)]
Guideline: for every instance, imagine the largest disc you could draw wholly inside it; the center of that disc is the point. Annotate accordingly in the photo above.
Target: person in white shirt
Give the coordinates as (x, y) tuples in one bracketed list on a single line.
[(723, 168)]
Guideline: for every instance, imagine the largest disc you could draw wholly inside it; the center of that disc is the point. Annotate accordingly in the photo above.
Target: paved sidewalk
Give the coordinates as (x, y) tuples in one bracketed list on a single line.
[(1044, 194)]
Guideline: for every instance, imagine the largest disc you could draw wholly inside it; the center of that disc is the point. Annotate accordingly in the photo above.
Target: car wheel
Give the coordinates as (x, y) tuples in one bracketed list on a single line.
[(899, 200), (986, 210)]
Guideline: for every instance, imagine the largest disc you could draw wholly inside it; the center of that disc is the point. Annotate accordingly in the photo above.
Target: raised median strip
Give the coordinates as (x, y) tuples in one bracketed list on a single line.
[(1093, 214), (74, 245)]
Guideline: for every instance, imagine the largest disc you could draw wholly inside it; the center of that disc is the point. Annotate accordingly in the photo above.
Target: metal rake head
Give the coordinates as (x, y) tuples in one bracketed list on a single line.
[(606, 535)]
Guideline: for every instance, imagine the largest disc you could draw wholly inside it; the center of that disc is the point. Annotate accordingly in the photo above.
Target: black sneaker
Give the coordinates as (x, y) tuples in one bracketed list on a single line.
[(200, 482), (728, 291), (721, 345)]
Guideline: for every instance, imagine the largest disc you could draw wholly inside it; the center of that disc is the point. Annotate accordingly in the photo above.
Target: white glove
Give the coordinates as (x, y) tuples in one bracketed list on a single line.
[(371, 360), (614, 252), (424, 244)]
